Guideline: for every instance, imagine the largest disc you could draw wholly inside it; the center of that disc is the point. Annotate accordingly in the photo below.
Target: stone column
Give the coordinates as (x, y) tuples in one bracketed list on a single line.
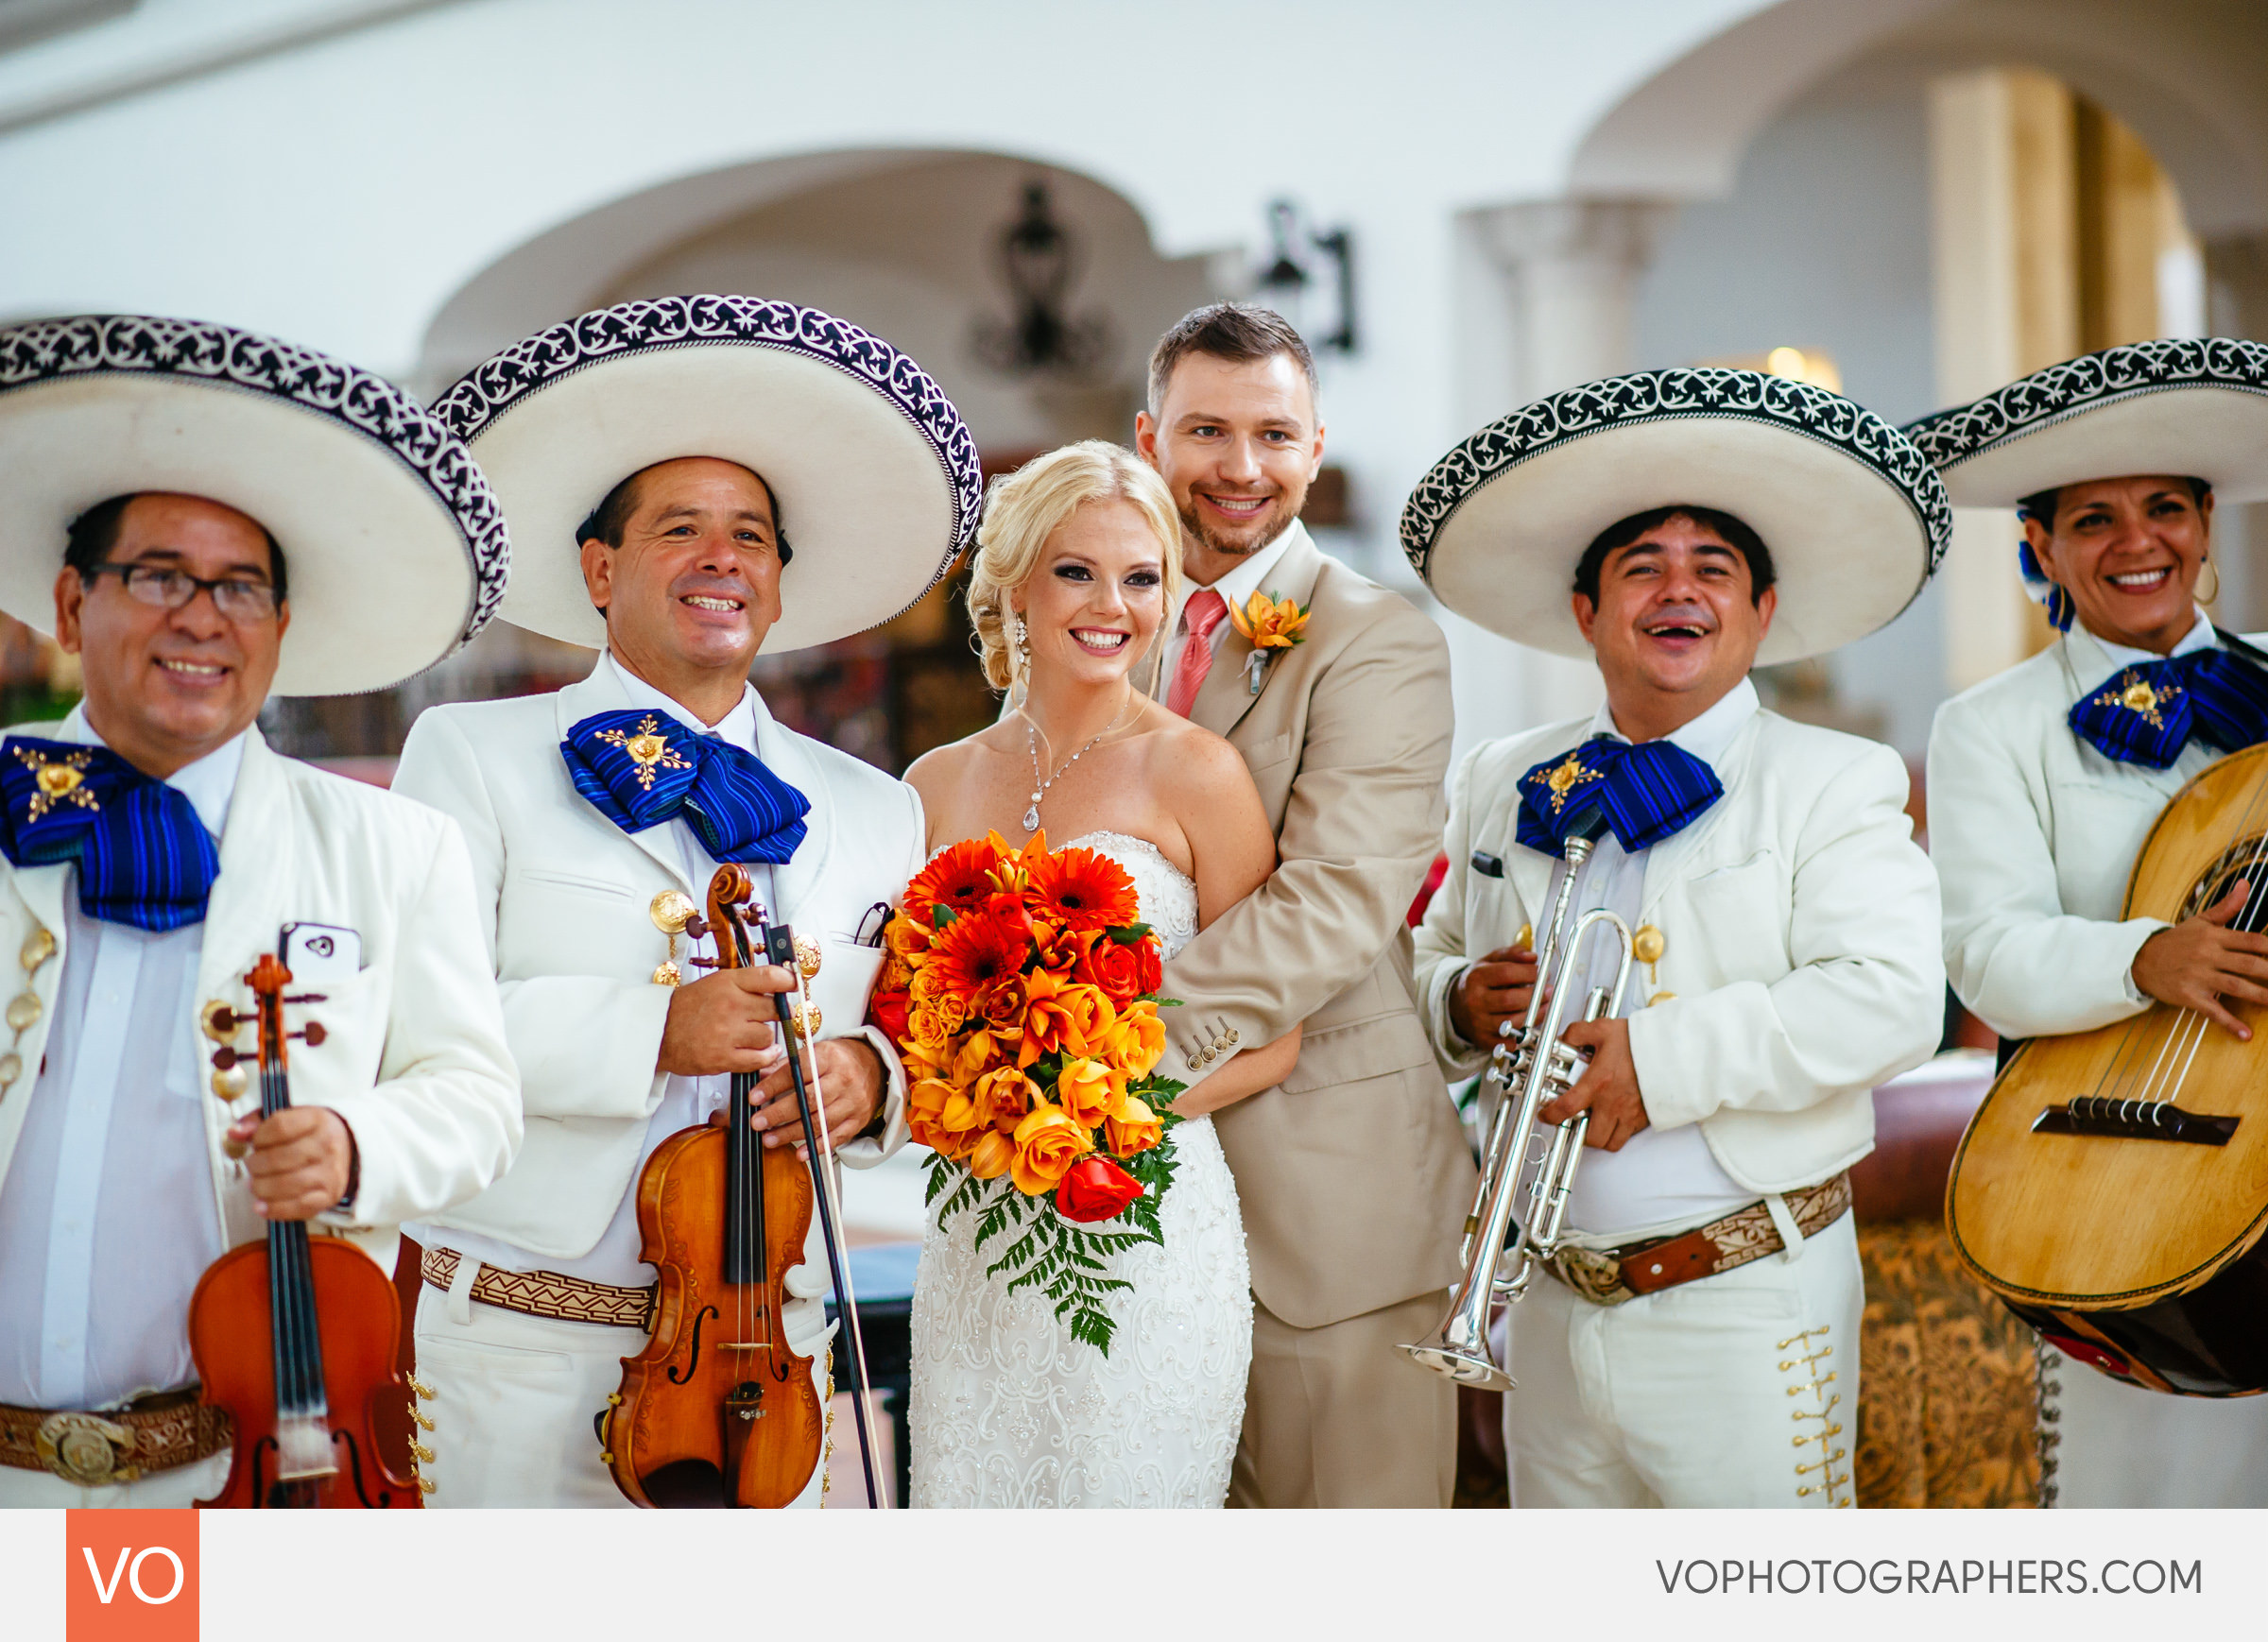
[(1547, 295), (2236, 284)]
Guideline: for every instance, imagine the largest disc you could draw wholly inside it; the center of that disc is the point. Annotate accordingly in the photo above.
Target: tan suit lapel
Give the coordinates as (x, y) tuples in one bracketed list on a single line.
[(1227, 694), (600, 693)]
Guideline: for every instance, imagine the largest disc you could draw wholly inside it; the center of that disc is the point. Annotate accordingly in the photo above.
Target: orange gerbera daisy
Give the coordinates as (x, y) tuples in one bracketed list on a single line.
[(971, 956), (960, 877), (1083, 890)]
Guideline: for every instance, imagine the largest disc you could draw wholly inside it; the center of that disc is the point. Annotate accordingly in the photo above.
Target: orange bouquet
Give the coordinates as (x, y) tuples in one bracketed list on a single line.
[(1023, 989)]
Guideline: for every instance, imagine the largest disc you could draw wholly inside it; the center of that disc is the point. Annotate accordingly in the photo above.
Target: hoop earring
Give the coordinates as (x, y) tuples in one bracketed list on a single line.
[(2209, 598)]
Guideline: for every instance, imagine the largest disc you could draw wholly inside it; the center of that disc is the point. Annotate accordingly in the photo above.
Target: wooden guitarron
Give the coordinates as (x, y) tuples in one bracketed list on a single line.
[(2113, 1188)]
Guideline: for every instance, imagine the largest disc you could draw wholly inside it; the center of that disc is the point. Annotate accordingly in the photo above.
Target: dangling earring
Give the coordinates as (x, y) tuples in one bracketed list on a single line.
[(1019, 651), (2209, 598)]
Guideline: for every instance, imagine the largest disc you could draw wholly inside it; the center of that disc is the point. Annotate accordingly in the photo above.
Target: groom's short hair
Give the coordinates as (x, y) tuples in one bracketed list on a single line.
[(1238, 332)]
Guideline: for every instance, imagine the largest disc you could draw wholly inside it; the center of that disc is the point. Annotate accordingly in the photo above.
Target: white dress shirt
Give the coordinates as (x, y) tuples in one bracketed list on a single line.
[(685, 1101), (1661, 1176), (1236, 589), (106, 1216)]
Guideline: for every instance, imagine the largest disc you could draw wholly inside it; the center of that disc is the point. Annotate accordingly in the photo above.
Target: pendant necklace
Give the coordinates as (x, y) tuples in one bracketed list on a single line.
[(1039, 786)]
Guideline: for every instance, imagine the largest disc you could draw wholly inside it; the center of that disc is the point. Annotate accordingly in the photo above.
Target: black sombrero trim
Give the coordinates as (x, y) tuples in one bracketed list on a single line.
[(2089, 383), (48, 350), (1653, 396), (493, 387)]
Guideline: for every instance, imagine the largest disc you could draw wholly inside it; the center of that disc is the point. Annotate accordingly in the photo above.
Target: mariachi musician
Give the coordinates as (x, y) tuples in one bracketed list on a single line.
[(694, 480), (2044, 781), (1697, 1341), (202, 516)]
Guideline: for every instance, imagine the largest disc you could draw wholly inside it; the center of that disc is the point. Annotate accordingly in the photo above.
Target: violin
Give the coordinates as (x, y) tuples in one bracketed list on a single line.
[(717, 1410), (287, 1331)]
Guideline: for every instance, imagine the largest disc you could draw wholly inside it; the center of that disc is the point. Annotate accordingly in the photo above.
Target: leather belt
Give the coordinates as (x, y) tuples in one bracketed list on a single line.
[(550, 1294), (161, 1432), (1609, 1277)]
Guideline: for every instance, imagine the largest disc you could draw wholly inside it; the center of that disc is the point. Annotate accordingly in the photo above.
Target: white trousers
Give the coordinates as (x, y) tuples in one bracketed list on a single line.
[(514, 1397), (1741, 1389), (2116, 1445), (167, 1491)]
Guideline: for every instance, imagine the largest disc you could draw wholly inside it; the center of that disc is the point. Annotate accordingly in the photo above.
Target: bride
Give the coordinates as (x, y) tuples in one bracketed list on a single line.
[(1077, 568)]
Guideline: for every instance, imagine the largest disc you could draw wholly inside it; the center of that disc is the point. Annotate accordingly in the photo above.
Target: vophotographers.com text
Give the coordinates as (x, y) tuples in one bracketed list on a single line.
[(1888, 1576)]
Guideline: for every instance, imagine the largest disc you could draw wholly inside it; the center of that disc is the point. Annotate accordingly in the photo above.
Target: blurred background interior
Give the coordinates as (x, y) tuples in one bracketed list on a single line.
[(1465, 204)]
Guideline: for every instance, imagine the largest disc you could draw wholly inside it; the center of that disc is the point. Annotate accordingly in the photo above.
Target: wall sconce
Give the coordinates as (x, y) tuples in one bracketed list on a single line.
[(1285, 283), (1038, 259)]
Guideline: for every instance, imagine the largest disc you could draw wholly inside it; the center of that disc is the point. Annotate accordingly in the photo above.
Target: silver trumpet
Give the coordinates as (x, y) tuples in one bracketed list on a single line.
[(1529, 1070)]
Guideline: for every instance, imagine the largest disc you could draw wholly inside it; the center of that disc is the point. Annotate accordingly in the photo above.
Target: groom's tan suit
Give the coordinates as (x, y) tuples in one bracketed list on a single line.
[(1354, 1173)]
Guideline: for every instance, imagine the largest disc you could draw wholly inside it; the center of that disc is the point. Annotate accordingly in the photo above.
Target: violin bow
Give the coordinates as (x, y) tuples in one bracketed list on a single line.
[(780, 948)]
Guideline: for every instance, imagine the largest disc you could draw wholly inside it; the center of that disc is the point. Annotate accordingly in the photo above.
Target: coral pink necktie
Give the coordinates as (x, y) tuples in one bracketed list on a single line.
[(1205, 611)]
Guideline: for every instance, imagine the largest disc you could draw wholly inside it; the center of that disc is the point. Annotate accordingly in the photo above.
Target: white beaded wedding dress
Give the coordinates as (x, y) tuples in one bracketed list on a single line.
[(1007, 1408)]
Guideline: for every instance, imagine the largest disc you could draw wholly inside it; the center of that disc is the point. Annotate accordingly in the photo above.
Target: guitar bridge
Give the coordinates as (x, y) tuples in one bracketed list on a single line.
[(2135, 1120)]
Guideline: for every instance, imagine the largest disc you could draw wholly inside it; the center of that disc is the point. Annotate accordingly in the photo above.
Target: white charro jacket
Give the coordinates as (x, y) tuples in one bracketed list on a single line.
[(413, 1054), (2034, 834), (561, 895), (1801, 942)]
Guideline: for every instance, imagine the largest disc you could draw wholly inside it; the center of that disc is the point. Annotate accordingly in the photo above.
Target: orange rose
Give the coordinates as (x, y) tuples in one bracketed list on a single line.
[(906, 939), (927, 1026), (989, 1159), (1089, 1091), (1002, 1097), (1047, 1144), (1088, 1019), (1135, 1128), (1136, 1041)]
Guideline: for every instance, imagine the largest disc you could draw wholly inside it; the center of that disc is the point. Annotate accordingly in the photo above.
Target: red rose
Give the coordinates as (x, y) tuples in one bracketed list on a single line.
[(886, 1010), (1096, 1189), (1150, 974), (1115, 969)]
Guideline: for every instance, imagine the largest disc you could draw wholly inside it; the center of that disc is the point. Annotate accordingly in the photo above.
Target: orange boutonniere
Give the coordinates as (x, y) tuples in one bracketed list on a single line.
[(1269, 624)]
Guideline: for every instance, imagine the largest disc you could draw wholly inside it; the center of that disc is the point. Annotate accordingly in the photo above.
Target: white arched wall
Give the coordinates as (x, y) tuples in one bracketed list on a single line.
[(1712, 155)]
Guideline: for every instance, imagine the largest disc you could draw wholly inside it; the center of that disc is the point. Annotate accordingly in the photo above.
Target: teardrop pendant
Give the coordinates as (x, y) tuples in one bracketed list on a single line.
[(1031, 819)]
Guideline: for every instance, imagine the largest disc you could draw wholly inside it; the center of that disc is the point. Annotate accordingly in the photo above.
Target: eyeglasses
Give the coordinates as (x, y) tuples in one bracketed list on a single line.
[(245, 602)]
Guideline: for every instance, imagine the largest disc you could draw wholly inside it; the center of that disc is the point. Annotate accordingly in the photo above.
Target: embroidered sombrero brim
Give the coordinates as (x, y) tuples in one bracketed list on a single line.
[(2191, 406), (395, 550), (876, 477), (1852, 514)]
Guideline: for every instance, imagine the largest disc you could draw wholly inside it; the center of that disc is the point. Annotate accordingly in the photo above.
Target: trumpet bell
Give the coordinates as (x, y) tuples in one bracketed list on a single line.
[(1467, 1365)]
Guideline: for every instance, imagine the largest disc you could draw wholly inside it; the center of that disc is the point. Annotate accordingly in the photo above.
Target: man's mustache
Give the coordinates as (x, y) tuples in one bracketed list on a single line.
[(1681, 615), (710, 586)]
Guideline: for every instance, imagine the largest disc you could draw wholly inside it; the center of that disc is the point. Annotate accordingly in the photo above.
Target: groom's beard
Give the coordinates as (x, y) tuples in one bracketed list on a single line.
[(1271, 525)]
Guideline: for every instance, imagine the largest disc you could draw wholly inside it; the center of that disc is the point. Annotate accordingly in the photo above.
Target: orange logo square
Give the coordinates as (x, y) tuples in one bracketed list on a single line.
[(130, 1576)]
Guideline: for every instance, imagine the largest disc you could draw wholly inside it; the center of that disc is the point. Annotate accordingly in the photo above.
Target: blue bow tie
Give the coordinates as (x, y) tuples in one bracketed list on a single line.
[(1647, 793), (144, 857), (2146, 713), (640, 769)]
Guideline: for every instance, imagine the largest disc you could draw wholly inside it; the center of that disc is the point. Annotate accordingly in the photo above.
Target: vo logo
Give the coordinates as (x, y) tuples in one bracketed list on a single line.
[(130, 1576)]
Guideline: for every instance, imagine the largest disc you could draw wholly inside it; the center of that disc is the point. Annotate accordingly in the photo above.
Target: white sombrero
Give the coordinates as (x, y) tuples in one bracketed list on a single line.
[(877, 480), (1853, 515), (2196, 407), (394, 549)]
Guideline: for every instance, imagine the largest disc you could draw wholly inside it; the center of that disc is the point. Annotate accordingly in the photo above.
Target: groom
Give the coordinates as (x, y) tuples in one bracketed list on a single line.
[(1353, 1172)]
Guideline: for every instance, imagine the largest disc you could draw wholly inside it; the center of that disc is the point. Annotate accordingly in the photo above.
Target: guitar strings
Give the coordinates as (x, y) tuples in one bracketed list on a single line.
[(2185, 1032)]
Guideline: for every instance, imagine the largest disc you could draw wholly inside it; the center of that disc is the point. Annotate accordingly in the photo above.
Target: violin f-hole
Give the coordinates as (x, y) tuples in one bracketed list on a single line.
[(684, 1376)]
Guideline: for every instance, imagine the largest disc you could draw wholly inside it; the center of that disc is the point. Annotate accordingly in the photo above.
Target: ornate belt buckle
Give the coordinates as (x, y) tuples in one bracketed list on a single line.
[(85, 1449), (1595, 1275)]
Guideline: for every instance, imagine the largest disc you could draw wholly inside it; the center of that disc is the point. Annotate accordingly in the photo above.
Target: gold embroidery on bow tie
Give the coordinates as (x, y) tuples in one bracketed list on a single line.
[(648, 749), (1564, 776), (2134, 695), (61, 781)]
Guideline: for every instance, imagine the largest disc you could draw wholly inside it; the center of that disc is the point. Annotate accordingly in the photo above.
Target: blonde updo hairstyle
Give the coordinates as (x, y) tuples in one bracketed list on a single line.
[(1029, 505)]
